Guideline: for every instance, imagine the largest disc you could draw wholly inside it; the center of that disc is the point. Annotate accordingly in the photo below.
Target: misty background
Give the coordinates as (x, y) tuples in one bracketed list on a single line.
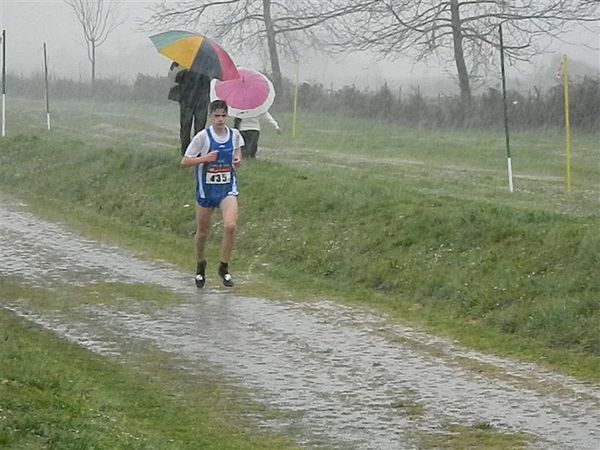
[(129, 52)]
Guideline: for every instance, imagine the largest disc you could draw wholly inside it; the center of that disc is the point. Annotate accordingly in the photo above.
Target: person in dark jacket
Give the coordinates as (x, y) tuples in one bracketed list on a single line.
[(194, 97)]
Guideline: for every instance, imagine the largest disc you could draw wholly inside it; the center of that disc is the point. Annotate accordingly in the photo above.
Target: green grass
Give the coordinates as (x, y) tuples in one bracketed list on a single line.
[(65, 296), (417, 223), (58, 395), (478, 436)]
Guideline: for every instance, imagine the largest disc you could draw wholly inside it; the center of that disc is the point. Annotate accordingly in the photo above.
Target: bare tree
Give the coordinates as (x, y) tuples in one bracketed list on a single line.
[(259, 25), (97, 19), (461, 32)]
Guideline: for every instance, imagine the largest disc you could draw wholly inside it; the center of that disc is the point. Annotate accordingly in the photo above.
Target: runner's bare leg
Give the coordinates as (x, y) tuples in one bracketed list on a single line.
[(229, 209), (203, 216)]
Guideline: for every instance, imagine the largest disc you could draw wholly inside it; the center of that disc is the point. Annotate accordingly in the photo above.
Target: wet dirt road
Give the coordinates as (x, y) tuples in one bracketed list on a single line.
[(342, 376)]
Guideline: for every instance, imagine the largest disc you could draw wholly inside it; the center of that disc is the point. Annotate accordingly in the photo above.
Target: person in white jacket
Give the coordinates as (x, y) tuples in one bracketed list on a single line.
[(250, 129)]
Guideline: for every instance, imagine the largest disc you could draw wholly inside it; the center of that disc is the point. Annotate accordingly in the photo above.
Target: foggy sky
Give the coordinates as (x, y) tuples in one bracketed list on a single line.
[(127, 52)]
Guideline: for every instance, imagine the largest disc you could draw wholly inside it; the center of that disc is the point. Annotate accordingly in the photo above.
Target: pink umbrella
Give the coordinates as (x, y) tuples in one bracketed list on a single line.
[(251, 95)]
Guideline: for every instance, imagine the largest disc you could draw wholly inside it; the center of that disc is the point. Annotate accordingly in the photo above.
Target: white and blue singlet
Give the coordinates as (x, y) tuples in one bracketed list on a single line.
[(215, 180)]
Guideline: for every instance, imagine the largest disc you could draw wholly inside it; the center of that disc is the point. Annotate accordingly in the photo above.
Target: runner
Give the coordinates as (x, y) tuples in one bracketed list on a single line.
[(216, 153)]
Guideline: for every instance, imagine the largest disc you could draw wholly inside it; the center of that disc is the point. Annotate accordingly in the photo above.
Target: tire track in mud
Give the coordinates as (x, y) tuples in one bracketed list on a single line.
[(339, 375)]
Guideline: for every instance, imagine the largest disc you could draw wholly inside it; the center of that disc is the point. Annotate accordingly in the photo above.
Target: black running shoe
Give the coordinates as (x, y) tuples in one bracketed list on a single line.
[(200, 280), (200, 274), (226, 277)]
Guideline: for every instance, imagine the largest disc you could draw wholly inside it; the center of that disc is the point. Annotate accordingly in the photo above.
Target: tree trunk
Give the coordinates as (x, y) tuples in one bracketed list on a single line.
[(275, 69), (459, 58)]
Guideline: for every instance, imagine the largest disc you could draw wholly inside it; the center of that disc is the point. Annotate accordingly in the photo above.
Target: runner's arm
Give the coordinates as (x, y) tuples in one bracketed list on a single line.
[(187, 161), (198, 151)]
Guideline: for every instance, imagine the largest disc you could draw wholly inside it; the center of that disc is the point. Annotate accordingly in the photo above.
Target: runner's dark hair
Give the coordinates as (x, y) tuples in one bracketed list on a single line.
[(217, 104)]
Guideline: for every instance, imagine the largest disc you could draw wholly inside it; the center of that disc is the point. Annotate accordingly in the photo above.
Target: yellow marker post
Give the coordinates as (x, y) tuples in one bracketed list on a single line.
[(565, 81), (3, 83), (295, 103)]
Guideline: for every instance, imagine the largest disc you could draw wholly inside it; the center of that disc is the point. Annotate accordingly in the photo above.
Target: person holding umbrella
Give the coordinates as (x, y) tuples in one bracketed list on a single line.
[(193, 96), (250, 130), (196, 60), (215, 153), (249, 98)]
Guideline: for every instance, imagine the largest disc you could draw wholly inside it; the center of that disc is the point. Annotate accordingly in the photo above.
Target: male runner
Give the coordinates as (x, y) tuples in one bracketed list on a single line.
[(215, 153)]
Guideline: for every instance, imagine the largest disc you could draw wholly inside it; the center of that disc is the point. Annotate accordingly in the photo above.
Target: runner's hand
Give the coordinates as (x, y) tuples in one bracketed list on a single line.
[(212, 156)]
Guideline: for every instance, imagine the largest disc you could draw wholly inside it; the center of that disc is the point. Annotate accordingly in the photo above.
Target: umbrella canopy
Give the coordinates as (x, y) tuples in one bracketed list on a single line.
[(250, 95), (196, 52)]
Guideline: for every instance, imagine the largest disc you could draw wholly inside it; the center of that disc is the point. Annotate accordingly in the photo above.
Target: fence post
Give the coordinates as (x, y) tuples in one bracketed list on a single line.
[(46, 85), (508, 157), (565, 82), (295, 101)]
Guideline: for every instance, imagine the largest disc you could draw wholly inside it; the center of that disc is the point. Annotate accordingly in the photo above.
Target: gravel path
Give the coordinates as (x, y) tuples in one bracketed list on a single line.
[(344, 378)]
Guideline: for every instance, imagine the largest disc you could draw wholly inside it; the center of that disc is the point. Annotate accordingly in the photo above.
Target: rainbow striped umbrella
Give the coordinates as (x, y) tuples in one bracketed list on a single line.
[(197, 53)]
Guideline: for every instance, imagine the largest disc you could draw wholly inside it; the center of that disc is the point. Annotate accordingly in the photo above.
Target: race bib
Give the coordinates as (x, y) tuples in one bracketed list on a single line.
[(218, 177)]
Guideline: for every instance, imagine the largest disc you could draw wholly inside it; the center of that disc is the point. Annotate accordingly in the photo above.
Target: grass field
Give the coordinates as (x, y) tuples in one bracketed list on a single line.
[(58, 395), (416, 223), (414, 220)]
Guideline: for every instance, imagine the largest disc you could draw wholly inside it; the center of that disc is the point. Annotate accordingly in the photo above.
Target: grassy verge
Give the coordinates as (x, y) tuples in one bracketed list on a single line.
[(515, 274), (58, 395), (483, 435)]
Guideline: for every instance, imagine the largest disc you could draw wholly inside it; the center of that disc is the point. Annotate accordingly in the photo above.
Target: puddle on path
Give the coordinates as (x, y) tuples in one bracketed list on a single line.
[(339, 374)]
